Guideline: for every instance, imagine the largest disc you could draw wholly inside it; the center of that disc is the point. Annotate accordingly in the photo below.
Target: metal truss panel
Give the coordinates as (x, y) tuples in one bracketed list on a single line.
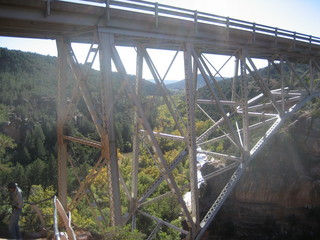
[(241, 168), (160, 160)]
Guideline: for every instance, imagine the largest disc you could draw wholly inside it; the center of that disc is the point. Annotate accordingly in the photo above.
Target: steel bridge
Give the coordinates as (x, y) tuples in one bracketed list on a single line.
[(256, 100)]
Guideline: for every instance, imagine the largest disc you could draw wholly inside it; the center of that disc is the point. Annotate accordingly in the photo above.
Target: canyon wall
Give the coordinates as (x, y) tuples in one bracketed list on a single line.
[(278, 197)]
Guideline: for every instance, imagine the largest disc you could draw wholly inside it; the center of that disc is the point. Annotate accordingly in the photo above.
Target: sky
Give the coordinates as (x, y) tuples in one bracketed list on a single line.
[(301, 16)]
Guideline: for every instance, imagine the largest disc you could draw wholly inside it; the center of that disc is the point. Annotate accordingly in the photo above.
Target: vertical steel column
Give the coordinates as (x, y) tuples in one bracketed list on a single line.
[(191, 135), (61, 118), (108, 141), (268, 73), (244, 103), (235, 79), (311, 74), (292, 78), (282, 84), (136, 139)]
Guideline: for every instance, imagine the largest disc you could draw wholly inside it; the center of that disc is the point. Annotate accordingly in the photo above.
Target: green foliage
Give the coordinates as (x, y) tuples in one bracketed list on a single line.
[(117, 233), (4, 113), (19, 175), (5, 143), (315, 108), (167, 233), (25, 76), (43, 199), (36, 171), (83, 219), (5, 208)]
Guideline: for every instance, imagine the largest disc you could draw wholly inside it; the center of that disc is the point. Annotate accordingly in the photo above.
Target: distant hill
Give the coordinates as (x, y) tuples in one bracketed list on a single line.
[(180, 85), (25, 75), (166, 82)]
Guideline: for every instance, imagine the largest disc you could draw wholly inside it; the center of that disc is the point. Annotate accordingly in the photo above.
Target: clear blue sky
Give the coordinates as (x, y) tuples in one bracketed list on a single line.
[(302, 16)]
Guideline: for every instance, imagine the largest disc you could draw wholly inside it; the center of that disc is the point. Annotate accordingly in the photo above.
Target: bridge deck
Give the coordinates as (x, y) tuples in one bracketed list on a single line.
[(156, 26)]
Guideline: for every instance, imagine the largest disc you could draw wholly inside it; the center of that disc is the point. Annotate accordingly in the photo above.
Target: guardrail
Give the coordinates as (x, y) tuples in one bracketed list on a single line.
[(195, 16), (55, 220), (60, 213)]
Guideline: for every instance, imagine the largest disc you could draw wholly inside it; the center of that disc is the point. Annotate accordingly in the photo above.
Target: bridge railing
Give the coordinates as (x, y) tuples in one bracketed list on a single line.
[(60, 213), (195, 16)]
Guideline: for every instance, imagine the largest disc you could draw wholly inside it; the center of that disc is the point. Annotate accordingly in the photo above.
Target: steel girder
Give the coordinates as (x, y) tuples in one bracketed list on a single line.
[(61, 121)]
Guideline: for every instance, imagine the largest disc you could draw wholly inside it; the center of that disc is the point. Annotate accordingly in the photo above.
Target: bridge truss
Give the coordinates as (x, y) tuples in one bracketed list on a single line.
[(254, 100)]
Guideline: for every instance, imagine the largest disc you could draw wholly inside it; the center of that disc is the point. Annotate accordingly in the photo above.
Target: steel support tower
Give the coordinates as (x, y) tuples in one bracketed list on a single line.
[(255, 100)]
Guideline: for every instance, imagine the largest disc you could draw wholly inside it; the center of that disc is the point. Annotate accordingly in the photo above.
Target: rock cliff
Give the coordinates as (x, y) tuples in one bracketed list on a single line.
[(279, 195)]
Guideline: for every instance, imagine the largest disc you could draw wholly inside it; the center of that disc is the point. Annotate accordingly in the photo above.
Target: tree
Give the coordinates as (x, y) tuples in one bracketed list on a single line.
[(123, 233), (5, 143), (26, 158), (19, 176), (36, 172), (39, 142), (42, 198)]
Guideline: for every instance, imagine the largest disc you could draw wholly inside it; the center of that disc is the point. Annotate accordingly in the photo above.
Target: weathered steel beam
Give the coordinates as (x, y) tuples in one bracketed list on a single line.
[(108, 138), (191, 136), (61, 120), (136, 140)]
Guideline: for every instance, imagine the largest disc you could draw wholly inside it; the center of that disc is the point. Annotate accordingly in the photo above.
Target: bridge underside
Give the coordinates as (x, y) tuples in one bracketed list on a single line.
[(254, 101), (78, 22)]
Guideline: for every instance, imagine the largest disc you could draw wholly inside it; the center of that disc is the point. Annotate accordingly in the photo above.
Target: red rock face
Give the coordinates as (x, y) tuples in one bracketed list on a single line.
[(279, 195)]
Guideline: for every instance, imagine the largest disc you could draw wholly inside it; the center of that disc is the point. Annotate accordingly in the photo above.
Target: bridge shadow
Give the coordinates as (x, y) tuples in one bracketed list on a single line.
[(4, 233)]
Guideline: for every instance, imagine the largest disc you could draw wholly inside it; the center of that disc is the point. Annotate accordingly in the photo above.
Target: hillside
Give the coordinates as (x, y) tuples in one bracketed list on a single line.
[(29, 87), (180, 85), (30, 75)]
